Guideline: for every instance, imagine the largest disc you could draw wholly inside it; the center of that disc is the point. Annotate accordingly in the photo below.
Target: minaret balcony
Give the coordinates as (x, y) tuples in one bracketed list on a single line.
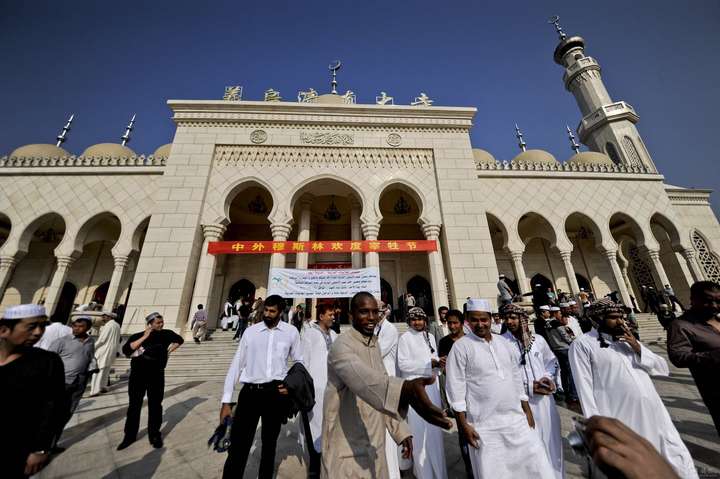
[(580, 66), (617, 111)]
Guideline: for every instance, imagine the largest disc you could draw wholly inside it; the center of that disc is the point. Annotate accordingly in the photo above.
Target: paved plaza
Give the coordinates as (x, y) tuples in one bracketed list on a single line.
[(191, 410)]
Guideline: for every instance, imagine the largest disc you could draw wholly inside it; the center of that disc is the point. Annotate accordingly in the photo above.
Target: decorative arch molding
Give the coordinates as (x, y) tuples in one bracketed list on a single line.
[(642, 236), (237, 187), (73, 242), (557, 239), (424, 217), (709, 261), (304, 185), (20, 237), (676, 238), (511, 238), (601, 234), (131, 238)]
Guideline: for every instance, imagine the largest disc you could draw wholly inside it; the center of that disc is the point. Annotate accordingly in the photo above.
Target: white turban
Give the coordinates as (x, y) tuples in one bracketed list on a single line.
[(23, 311)]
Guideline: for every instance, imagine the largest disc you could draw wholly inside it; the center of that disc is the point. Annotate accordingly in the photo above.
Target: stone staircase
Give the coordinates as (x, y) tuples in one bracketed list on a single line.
[(207, 361), (651, 332)]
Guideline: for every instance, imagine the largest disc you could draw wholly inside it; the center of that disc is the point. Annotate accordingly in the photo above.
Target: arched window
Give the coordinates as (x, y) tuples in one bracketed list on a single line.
[(612, 153), (632, 153), (708, 261)]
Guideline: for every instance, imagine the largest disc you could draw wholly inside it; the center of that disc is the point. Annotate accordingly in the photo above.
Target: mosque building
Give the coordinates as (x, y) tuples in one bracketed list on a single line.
[(129, 230)]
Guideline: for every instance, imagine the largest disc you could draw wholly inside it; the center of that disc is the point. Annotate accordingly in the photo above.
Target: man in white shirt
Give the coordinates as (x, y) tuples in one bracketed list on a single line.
[(260, 364), (316, 342), (106, 348), (612, 375), (55, 330), (566, 310), (387, 335), (538, 367), (486, 393)]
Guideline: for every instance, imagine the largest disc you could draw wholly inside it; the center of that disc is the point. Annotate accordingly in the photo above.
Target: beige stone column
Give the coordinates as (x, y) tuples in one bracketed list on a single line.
[(206, 268), (7, 265), (113, 293), (56, 284), (611, 256), (370, 232), (280, 232), (658, 269), (570, 271), (519, 269), (355, 233), (438, 283), (688, 253), (301, 259)]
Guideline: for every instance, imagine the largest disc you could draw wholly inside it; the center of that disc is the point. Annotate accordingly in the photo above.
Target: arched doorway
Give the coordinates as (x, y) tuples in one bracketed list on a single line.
[(100, 293), (541, 280), (583, 282), (386, 292), (419, 287), (65, 303), (243, 289)]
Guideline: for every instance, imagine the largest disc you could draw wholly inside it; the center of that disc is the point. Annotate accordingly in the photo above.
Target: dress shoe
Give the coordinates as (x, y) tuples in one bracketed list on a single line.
[(125, 443), (156, 442)]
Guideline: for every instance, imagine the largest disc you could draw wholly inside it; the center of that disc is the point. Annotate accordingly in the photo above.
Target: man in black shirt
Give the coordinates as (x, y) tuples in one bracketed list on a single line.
[(32, 382), (149, 351)]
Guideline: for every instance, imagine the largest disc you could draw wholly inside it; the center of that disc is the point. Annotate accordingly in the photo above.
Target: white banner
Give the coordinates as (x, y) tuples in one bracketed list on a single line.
[(323, 283)]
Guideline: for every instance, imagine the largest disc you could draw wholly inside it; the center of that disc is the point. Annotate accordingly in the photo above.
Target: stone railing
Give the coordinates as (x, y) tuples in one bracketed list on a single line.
[(585, 168), (81, 161)]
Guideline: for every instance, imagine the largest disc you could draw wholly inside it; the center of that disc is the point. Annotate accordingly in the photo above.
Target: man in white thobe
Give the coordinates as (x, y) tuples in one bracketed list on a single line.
[(417, 357), (611, 370), (538, 366), (566, 310), (106, 348), (387, 335), (316, 342), (486, 393), (55, 330)]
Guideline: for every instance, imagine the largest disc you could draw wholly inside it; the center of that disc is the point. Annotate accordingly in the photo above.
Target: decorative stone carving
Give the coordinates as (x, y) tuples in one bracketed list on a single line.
[(258, 136), (238, 156), (329, 138), (393, 139)]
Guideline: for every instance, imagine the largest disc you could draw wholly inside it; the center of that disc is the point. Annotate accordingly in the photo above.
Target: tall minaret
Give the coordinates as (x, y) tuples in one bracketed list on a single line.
[(607, 126)]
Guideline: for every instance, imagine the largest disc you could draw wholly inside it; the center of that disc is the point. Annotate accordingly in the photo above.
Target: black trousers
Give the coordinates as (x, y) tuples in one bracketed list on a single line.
[(566, 378), (150, 381), (255, 404), (71, 399), (314, 457)]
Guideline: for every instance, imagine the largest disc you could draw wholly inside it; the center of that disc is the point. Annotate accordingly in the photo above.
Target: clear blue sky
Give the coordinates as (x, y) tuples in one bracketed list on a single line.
[(106, 60)]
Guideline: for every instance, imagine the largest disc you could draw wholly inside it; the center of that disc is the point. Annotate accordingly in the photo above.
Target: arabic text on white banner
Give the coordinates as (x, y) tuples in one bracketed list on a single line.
[(323, 283)]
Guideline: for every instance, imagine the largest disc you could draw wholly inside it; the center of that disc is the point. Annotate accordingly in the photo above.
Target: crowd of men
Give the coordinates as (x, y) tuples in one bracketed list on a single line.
[(373, 403)]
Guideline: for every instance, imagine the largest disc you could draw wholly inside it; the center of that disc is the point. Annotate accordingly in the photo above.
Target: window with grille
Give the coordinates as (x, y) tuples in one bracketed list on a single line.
[(708, 261)]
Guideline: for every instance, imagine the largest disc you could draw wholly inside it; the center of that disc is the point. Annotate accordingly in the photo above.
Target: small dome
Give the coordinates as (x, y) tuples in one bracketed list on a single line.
[(535, 156), (483, 157), (163, 151), (590, 158), (112, 150), (39, 151), (329, 99)]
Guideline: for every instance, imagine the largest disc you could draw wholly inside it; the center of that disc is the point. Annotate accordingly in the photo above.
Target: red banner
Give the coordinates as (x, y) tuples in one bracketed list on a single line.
[(365, 246)]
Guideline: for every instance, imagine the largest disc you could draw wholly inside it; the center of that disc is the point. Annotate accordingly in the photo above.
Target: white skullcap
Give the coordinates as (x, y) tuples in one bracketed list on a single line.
[(22, 311), (544, 307), (564, 305), (571, 303), (475, 304), (554, 308), (501, 276)]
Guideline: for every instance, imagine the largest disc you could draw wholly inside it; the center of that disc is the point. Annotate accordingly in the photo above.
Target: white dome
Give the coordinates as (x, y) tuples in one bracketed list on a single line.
[(112, 150), (39, 151), (535, 156)]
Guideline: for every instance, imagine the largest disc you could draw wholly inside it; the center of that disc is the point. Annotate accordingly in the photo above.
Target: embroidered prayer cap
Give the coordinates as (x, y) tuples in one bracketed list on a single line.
[(572, 303), (511, 308), (152, 317), (501, 276), (564, 305), (554, 308), (417, 313), (475, 304), (85, 318), (23, 311), (544, 307)]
